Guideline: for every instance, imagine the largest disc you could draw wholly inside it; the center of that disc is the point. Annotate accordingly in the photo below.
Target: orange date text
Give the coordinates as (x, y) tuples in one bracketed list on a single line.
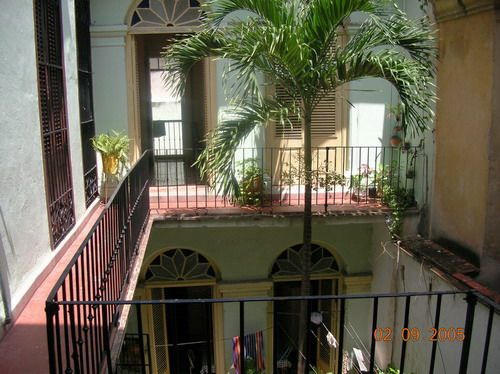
[(415, 334)]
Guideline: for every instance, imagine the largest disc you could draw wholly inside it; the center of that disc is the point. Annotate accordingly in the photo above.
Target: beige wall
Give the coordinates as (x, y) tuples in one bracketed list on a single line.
[(401, 272), (464, 120)]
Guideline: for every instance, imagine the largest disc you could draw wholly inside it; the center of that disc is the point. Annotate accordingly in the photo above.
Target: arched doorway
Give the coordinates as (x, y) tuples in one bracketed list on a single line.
[(182, 334), (325, 280), (172, 126)]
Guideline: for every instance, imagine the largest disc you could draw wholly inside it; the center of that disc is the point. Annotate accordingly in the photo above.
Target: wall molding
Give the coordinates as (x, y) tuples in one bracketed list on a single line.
[(446, 10)]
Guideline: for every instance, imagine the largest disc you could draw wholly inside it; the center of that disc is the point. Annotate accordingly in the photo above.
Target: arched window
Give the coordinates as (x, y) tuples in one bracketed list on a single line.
[(289, 261), (166, 13), (178, 265)]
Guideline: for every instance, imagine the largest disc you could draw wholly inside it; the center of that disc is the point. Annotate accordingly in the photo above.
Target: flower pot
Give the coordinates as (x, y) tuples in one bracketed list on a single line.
[(395, 141), (110, 164)]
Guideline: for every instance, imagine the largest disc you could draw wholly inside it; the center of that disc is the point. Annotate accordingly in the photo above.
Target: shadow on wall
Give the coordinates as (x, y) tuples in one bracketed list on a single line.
[(5, 310)]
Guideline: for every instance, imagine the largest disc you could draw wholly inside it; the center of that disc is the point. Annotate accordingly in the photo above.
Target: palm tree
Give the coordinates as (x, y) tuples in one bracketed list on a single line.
[(289, 44)]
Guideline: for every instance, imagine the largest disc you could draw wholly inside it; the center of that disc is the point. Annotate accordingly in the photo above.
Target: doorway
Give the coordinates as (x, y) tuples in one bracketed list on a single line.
[(320, 353), (174, 127), (183, 333)]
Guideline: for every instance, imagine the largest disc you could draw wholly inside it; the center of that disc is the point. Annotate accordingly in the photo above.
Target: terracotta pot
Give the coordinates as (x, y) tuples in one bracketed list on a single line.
[(395, 141), (110, 164)]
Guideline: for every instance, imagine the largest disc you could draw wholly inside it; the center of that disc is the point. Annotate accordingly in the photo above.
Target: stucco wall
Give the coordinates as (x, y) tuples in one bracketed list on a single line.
[(110, 81), (259, 242), (243, 250), (464, 116), (401, 273), (24, 233), (108, 32)]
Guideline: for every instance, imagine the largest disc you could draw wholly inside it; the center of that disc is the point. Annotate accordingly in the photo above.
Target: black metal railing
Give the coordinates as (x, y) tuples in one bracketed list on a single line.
[(284, 355), (275, 177), (134, 359), (78, 337), (168, 138)]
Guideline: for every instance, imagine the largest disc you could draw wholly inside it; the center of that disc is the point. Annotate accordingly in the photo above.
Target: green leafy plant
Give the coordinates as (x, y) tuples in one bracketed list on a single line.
[(390, 370), (360, 184), (113, 149), (322, 176), (251, 367), (251, 183), (398, 200)]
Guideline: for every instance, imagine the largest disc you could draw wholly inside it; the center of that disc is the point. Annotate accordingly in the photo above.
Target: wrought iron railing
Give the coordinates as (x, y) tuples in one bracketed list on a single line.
[(134, 359), (99, 270), (406, 336), (275, 177)]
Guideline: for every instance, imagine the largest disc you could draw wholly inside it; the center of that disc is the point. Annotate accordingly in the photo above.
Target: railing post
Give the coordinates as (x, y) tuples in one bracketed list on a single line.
[(487, 340), (208, 324), (141, 341), (51, 309), (405, 326), (242, 337), (74, 344), (275, 337), (374, 326), (106, 342), (436, 328), (469, 321), (340, 358), (327, 161)]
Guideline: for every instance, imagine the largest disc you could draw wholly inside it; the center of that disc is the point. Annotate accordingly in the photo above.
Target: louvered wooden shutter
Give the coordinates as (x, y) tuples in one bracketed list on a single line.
[(87, 126), (53, 118), (293, 129), (323, 117)]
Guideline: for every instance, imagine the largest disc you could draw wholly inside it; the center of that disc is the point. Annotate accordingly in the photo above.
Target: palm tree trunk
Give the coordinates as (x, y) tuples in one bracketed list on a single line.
[(305, 286)]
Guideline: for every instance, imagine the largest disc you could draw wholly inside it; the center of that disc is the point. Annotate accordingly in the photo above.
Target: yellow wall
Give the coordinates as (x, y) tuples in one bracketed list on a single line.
[(464, 119)]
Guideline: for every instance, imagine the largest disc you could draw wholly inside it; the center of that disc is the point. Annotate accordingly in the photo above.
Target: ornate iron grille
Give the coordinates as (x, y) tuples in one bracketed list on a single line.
[(87, 126), (51, 92)]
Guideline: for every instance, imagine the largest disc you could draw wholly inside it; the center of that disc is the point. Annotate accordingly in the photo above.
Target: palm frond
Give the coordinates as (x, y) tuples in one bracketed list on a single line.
[(414, 36), (271, 10), (410, 78), (323, 18), (216, 162), (182, 55)]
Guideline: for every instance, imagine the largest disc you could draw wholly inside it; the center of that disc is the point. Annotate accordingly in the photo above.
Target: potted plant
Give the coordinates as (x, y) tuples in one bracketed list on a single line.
[(113, 149), (395, 112), (251, 183), (114, 154), (360, 183), (395, 140)]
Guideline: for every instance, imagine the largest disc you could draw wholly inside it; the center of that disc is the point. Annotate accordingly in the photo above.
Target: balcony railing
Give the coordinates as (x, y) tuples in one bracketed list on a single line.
[(99, 270), (270, 177), (85, 304), (79, 352)]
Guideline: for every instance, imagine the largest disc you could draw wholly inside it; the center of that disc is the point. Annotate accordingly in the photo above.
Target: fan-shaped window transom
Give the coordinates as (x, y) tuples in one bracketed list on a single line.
[(290, 261), (179, 264), (166, 13)]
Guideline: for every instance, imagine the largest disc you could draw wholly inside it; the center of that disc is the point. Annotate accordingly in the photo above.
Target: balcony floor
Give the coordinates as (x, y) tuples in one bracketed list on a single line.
[(200, 197), (23, 349)]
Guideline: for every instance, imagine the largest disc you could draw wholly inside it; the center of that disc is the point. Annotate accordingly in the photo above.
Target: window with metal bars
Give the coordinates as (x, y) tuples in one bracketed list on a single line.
[(87, 126), (53, 119)]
